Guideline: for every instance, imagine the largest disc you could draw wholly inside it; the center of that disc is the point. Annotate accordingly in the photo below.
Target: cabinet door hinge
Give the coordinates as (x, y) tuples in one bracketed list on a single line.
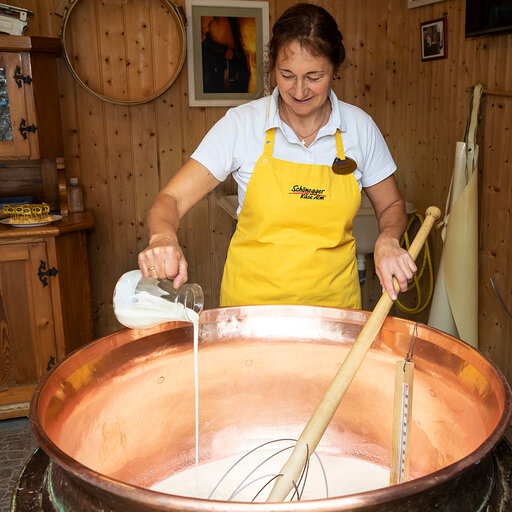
[(20, 79), (24, 128), (43, 273)]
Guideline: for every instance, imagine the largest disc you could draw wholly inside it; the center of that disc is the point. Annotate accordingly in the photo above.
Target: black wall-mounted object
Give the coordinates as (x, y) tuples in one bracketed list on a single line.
[(487, 17)]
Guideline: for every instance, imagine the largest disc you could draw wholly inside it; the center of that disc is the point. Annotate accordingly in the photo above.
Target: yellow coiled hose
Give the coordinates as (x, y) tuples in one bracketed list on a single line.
[(427, 262)]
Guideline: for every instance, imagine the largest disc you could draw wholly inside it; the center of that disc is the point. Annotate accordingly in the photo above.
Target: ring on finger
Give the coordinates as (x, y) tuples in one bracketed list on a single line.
[(151, 269)]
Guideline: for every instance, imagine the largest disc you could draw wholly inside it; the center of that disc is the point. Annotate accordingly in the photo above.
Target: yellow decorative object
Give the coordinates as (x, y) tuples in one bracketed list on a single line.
[(28, 213)]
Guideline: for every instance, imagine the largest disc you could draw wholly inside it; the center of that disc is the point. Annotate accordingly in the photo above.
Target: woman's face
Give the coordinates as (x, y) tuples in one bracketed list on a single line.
[(303, 79)]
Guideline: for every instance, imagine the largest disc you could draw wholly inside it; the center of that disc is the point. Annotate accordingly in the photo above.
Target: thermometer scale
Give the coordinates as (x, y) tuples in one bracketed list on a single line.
[(402, 416)]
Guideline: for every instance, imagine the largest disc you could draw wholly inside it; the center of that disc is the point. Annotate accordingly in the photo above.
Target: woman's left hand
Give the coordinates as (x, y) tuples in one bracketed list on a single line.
[(390, 259), (393, 261)]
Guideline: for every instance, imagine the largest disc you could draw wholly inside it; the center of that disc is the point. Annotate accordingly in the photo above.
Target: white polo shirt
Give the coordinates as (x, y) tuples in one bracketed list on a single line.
[(235, 142)]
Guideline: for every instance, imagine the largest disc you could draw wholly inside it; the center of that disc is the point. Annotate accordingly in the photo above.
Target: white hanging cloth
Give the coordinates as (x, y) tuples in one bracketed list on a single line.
[(455, 301)]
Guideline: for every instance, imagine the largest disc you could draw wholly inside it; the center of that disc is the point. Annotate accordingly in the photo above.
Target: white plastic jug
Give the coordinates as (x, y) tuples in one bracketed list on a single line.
[(140, 303)]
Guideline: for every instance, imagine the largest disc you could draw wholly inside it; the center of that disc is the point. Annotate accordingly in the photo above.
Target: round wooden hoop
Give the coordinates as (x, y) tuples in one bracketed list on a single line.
[(181, 23)]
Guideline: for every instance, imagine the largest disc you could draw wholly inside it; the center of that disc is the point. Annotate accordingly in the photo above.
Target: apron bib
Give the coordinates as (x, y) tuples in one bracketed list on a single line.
[(293, 243)]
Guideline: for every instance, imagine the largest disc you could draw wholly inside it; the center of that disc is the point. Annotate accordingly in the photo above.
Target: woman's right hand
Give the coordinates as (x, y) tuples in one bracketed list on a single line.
[(163, 258)]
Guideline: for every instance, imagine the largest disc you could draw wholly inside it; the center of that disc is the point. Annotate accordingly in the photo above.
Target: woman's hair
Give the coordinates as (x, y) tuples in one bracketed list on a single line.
[(313, 28)]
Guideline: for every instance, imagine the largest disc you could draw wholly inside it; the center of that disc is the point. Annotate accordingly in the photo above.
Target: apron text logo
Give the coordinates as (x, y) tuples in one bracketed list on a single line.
[(308, 193)]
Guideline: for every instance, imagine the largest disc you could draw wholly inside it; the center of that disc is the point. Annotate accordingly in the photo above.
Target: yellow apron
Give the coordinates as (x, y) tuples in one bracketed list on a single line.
[(293, 243)]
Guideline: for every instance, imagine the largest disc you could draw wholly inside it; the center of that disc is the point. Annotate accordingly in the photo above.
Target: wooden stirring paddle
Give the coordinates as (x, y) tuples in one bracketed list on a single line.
[(316, 426)]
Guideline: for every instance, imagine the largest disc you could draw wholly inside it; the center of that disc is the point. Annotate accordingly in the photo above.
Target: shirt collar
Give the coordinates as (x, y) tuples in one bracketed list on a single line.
[(334, 123)]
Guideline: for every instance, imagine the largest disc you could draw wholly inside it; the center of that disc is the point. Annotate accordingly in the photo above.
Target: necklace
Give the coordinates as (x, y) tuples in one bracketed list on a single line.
[(303, 138)]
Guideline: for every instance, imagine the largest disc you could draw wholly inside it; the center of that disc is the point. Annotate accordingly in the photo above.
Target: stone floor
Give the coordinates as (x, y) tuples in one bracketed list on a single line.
[(16, 445)]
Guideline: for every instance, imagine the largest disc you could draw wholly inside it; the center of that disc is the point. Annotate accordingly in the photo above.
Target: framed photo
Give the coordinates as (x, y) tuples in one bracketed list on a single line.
[(433, 39), (226, 41), (417, 3)]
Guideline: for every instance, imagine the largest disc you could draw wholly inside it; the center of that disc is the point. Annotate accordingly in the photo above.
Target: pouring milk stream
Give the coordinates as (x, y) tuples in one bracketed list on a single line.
[(141, 303)]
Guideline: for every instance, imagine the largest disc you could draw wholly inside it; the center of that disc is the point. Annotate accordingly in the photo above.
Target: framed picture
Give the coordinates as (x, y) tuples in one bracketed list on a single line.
[(226, 41), (433, 39), (417, 3)]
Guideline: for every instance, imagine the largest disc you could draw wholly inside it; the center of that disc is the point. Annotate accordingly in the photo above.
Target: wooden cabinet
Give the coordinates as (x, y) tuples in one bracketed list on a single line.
[(29, 99), (31, 147), (45, 310)]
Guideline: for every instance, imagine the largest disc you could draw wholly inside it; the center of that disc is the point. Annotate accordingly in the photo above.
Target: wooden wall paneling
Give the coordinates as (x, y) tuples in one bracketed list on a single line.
[(221, 227), (83, 37), (507, 208), (376, 56), (71, 253), (119, 39), (438, 136), (462, 52), (425, 170), (195, 223), (197, 250), (282, 5), (486, 258), (448, 105), (166, 53), (494, 325), (395, 62), (497, 68), (49, 22), (506, 288), (408, 73), (95, 180), (163, 56), (352, 23), (170, 112), (69, 120), (83, 41), (425, 133), (481, 64), (495, 226), (220, 222), (440, 110), (272, 16), (503, 225), (145, 166), (122, 195), (139, 48), (113, 51), (403, 106), (435, 134)]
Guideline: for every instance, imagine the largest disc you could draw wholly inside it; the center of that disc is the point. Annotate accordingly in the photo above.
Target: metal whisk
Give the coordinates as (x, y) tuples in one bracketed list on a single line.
[(254, 471)]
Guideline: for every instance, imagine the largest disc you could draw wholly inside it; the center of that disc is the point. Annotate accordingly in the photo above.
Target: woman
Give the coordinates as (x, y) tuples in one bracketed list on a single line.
[(300, 158)]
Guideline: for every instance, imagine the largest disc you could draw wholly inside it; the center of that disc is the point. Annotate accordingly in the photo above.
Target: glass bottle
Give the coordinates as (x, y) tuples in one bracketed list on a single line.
[(75, 196)]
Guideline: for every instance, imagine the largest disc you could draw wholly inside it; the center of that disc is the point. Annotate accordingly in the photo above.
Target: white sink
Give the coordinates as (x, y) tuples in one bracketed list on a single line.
[(366, 228)]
